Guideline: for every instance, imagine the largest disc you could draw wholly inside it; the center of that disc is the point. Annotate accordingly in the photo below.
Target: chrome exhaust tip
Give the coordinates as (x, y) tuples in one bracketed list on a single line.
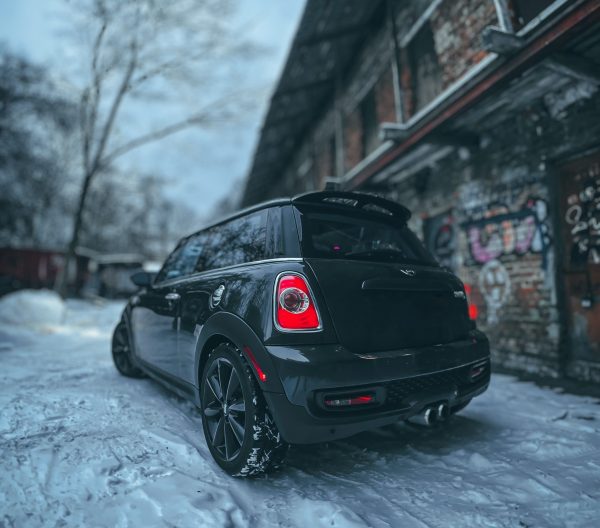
[(443, 412), (427, 417)]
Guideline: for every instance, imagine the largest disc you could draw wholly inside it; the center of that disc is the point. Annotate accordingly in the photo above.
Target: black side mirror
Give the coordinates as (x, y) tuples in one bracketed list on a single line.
[(143, 279)]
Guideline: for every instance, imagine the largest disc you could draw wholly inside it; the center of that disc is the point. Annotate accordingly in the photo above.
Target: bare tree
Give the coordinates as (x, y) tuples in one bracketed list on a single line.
[(150, 51), (35, 120), (134, 216)]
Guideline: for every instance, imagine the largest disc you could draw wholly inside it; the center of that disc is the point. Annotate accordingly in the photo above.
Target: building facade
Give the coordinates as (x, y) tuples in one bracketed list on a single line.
[(481, 116)]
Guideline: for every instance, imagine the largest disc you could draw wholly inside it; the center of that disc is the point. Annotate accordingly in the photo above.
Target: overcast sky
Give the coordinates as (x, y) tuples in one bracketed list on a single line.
[(202, 165)]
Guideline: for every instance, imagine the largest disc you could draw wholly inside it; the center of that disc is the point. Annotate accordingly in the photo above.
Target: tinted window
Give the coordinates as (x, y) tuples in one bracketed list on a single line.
[(330, 235), (183, 260), (236, 242)]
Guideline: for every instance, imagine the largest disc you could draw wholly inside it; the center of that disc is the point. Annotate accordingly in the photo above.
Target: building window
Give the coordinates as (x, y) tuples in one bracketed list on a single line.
[(331, 157), (526, 10), (370, 123), (424, 67)]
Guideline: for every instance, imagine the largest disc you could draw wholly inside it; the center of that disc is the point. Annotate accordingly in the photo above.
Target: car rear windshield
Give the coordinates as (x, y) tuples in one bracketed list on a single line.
[(361, 237)]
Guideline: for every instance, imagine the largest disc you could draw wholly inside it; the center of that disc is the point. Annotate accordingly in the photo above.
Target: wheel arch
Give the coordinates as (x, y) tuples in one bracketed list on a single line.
[(225, 327)]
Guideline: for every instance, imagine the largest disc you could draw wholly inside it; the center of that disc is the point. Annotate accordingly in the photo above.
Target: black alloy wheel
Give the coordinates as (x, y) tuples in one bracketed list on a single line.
[(239, 430), (225, 408), (121, 353)]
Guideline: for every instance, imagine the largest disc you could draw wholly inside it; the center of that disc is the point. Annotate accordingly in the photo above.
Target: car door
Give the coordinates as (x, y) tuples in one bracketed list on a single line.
[(156, 316), (155, 320)]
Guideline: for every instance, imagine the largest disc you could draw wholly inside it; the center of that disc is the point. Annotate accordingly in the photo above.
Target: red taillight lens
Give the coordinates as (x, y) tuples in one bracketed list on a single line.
[(473, 310), (294, 307)]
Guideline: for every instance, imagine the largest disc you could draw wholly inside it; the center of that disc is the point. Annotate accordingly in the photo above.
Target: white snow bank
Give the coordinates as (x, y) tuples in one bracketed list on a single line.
[(32, 308)]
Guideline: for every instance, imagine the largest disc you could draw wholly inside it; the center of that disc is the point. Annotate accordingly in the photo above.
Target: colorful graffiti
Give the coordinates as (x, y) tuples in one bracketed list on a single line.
[(502, 233)]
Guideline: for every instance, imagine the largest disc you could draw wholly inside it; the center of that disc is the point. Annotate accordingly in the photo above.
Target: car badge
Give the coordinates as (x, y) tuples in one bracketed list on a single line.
[(409, 272)]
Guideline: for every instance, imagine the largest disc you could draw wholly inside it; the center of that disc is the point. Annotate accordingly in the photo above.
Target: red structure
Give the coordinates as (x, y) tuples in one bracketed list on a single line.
[(36, 268)]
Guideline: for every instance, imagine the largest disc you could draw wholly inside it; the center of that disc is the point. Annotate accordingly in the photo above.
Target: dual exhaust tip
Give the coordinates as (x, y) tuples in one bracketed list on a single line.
[(431, 415)]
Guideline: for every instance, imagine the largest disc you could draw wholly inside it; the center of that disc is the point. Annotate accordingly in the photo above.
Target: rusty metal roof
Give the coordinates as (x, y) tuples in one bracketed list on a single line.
[(327, 37)]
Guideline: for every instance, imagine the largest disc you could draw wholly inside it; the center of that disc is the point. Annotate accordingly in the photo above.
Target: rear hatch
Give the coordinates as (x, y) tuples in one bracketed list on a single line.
[(383, 290)]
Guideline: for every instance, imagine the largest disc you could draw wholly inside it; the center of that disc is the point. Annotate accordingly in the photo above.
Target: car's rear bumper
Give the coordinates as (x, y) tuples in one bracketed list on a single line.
[(403, 382)]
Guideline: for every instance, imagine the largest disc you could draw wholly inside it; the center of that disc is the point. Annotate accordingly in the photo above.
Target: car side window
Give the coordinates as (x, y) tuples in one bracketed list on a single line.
[(236, 242), (183, 260)]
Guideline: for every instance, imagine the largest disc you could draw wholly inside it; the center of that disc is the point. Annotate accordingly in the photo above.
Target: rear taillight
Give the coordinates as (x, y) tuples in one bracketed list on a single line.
[(295, 308), (473, 310)]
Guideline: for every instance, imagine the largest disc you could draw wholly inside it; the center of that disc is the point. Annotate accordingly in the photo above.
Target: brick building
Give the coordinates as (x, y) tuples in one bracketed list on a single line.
[(481, 116)]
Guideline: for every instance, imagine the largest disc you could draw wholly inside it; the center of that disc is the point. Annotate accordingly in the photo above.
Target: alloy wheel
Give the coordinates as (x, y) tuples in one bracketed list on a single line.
[(120, 349), (224, 408)]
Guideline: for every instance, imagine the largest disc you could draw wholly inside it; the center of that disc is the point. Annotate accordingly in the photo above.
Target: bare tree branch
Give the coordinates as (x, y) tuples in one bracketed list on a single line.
[(114, 109), (154, 136), (205, 116), (97, 85)]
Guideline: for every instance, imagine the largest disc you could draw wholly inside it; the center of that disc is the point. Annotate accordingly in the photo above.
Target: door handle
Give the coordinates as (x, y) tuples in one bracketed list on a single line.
[(172, 297)]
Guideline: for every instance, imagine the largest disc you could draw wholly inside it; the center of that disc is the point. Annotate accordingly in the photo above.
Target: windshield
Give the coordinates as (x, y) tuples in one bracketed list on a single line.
[(360, 237)]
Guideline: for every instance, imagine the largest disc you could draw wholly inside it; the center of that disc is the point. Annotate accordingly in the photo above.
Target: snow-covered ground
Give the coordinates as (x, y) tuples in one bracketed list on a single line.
[(82, 446)]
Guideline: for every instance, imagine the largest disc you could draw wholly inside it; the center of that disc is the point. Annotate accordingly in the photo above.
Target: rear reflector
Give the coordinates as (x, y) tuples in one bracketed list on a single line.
[(477, 370), (363, 399), (259, 372), (295, 308)]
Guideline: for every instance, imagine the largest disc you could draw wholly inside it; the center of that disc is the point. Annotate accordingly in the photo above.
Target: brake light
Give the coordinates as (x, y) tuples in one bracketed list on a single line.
[(473, 310), (295, 308)]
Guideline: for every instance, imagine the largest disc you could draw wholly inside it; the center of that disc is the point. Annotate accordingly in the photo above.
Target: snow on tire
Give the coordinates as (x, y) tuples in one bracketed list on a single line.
[(260, 449)]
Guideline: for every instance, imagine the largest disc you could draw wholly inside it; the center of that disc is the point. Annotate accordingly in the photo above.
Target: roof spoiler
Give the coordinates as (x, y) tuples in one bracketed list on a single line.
[(358, 201)]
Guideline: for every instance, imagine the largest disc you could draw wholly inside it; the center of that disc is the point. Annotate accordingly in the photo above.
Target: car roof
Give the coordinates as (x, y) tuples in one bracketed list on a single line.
[(351, 199)]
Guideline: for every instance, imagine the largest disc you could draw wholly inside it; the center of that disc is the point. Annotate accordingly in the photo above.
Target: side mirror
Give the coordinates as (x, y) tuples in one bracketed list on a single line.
[(143, 279)]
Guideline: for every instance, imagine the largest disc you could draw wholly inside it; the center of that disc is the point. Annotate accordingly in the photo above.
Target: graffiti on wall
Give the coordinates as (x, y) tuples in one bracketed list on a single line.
[(504, 223), (440, 238), (494, 284), (583, 219), (502, 232)]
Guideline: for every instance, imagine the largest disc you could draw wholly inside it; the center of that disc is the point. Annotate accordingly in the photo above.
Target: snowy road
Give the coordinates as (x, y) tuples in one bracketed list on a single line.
[(82, 446)]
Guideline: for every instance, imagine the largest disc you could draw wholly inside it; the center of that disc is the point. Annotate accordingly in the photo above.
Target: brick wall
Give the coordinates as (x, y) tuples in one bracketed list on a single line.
[(457, 27), (489, 214)]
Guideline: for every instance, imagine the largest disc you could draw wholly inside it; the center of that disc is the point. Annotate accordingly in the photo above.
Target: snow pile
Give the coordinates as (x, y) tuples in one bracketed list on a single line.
[(35, 308)]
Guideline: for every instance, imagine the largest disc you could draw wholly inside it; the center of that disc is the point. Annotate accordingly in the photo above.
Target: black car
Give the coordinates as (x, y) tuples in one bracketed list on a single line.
[(304, 320)]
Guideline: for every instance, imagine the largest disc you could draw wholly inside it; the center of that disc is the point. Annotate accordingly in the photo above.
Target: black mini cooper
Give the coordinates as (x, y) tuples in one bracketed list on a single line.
[(304, 320)]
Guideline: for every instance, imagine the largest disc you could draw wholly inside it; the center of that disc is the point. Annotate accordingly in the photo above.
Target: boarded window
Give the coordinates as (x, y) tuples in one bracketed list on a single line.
[(331, 144), (368, 112), (325, 161), (425, 68)]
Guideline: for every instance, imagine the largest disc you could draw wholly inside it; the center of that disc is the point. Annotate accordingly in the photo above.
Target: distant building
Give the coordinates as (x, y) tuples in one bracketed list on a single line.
[(37, 268), (483, 117), (110, 275)]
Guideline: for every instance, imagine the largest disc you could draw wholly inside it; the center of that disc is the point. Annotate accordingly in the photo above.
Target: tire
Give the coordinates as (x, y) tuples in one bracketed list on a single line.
[(239, 430), (121, 353)]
